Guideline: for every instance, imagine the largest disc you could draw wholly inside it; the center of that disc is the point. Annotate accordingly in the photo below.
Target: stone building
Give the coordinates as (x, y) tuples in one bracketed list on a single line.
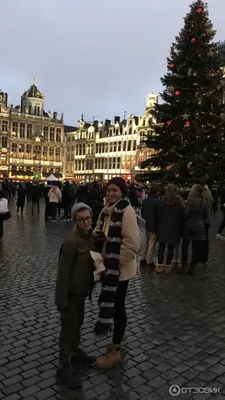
[(31, 140), (97, 150)]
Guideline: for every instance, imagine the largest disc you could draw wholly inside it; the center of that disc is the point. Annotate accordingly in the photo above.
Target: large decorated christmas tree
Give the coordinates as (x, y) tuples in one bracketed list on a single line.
[(189, 137)]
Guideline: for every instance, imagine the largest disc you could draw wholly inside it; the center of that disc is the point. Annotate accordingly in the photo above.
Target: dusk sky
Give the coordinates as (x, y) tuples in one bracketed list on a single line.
[(97, 57)]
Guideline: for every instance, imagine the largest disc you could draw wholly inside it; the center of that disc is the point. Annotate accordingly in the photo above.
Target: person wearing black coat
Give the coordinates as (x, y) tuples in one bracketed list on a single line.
[(149, 212), (170, 226), (195, 231), (21, 197)]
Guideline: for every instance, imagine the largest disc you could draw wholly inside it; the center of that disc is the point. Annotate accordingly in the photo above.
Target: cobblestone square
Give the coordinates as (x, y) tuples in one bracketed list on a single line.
[(175, 335)]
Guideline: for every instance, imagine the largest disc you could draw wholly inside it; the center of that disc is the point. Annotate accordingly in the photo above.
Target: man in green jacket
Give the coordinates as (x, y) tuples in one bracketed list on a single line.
[(74, 282)]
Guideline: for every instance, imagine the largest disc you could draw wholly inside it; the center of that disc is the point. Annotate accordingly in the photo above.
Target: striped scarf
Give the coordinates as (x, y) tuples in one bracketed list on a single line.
[(110, 279)]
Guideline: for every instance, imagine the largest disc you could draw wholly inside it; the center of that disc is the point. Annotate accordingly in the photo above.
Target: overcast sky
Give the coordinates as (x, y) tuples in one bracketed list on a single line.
[(97, 57)]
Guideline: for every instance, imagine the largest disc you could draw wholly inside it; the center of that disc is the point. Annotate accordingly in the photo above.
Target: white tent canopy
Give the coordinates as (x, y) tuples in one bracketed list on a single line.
[(51, 178)]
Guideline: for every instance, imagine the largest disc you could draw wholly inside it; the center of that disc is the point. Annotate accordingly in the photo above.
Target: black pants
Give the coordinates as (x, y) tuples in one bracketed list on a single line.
[(71, 321), (161, 251), (222, 225), (54, 207), (205, 252), (67, 209), (1, 226), (197, 251), (120, 316)]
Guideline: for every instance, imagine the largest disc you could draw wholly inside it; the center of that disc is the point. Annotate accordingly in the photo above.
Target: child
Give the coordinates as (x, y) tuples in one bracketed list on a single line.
[(74, 282)]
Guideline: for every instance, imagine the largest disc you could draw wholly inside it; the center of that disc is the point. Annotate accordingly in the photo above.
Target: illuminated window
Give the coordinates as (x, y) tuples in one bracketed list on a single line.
[(45, 153), (37, 152), (21, 150), (28, 151), (14, 150)]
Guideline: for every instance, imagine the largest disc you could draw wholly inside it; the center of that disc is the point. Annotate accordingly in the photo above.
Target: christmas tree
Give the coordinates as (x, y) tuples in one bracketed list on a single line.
[(189, 134)]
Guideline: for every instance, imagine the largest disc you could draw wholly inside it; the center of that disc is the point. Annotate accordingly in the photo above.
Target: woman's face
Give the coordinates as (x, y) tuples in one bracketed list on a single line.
[(113, 193)]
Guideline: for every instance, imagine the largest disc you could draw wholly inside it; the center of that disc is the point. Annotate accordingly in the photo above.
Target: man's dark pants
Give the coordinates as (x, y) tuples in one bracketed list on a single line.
[(71, 321)]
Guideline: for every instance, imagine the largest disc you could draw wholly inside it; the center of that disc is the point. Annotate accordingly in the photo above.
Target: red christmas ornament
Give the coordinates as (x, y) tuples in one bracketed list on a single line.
[(193, 40), (171, 65), (169, 122), (177, 93), (187, 123), (199, 10)]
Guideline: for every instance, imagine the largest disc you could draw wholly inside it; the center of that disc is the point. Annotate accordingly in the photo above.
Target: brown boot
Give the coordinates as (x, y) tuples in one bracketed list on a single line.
[(167, 269), (111, 358), (159, 268)]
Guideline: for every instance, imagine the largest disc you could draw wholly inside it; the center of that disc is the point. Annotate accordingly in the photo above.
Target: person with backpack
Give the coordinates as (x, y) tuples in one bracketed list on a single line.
[(117, 223)]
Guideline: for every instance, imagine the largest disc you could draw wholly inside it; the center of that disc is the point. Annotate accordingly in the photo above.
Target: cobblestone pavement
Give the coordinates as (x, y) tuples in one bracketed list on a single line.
[(175, 334)]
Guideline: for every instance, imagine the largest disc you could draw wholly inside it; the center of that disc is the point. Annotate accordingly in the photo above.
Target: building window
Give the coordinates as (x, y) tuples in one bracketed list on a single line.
[(111, 148), (115, 147), (4, 142), (22, 130), (58, 135), (89, 165), (36, 110), (14, 150), (134, 145), (52, 134), (21, 151), (118, 163), (4, 126), (37, 152), (30, 109), (29, 131), (119, 146), (129, 145), (51, 154), (45, 153), (114, 163), (28, 151), (15, 128), (130, 131), (57, 154), (124, 146), (45, 133)]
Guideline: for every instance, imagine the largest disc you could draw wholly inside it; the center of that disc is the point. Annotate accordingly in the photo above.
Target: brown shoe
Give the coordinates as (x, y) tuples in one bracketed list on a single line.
[(111, 358), (167, 269), (159, 268)]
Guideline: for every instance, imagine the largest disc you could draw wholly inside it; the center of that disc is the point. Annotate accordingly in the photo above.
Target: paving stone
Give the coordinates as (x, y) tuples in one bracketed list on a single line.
[(32, 389)]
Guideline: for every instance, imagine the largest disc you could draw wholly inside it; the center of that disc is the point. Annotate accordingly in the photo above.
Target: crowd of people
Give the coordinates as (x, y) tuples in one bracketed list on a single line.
[(106, 222)]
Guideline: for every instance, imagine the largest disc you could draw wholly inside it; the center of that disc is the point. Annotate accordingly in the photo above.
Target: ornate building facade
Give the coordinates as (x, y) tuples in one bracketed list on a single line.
[(97, 150), (31, 140)]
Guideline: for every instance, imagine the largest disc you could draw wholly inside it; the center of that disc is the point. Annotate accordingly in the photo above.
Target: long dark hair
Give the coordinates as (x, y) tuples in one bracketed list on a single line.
[(170, 195)]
